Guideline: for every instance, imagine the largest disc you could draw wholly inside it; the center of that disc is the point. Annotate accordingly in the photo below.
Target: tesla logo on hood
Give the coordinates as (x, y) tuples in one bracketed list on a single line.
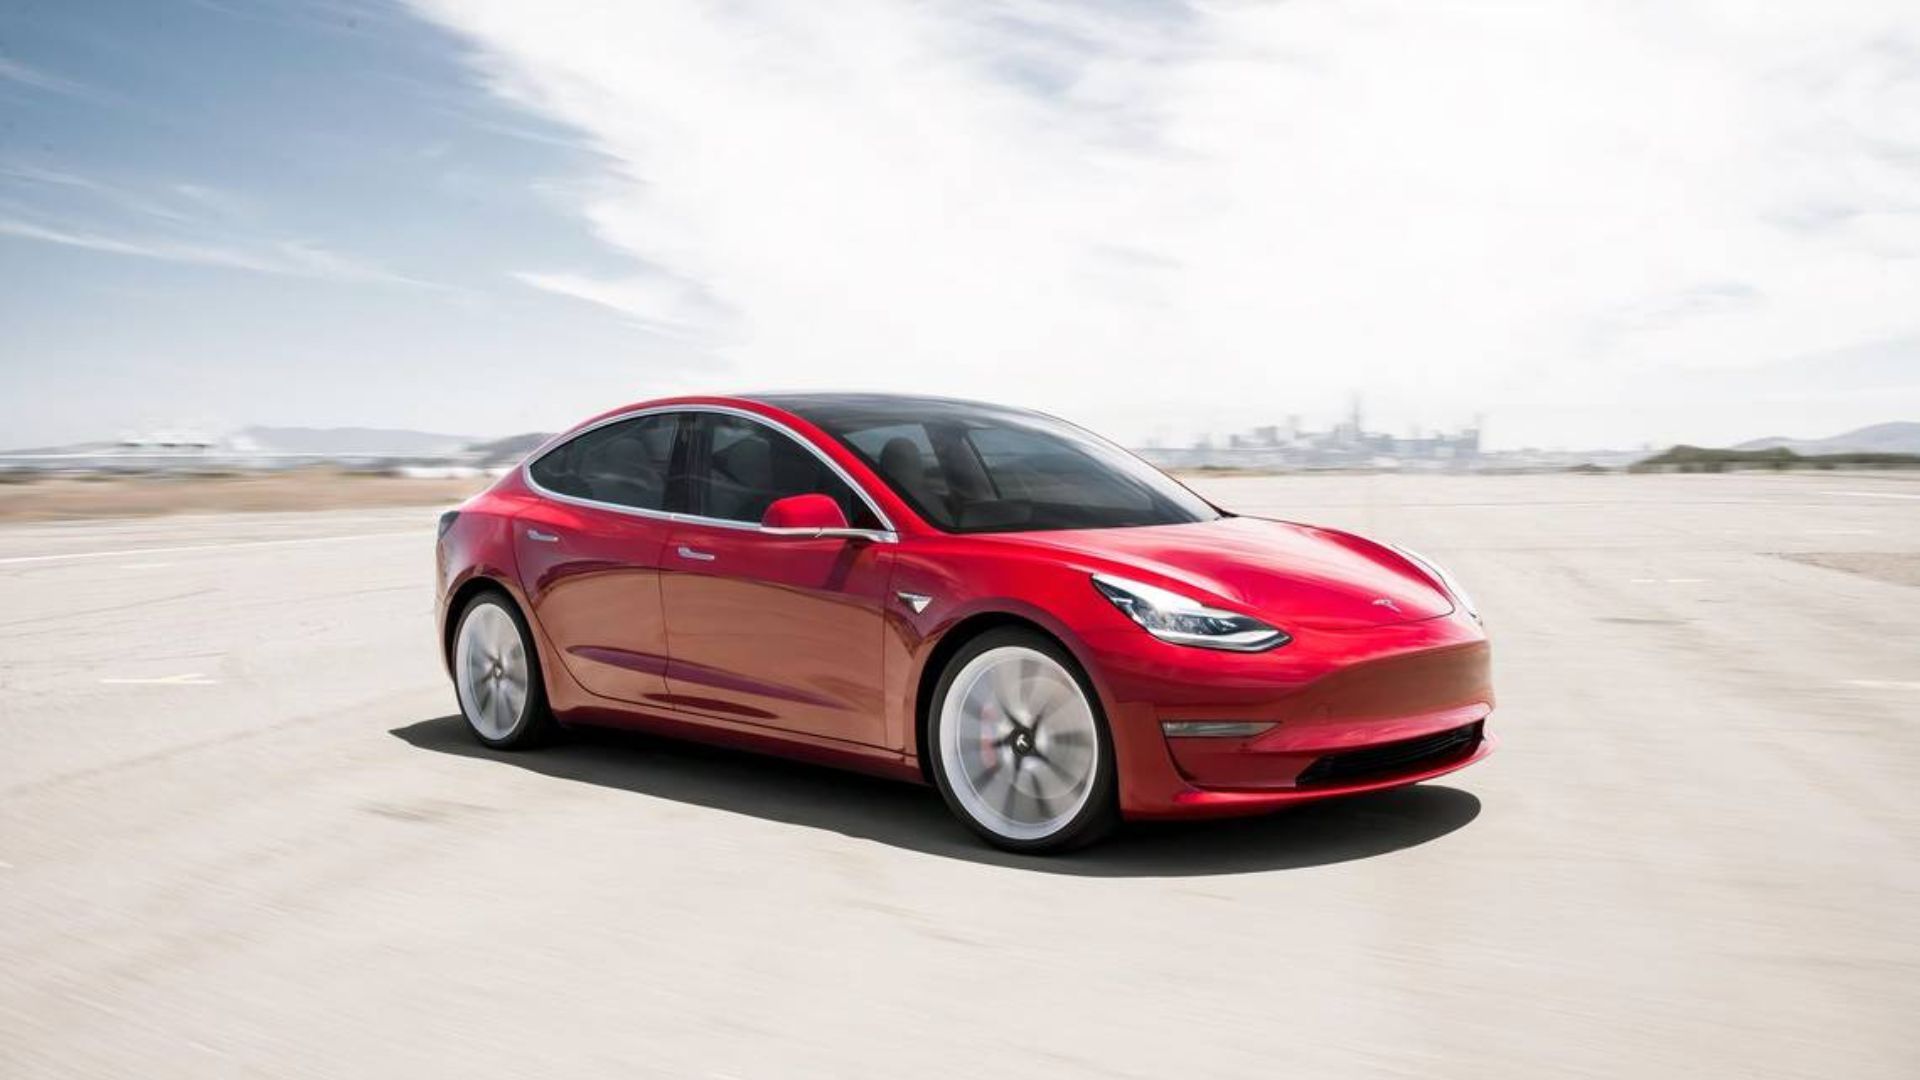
[(1388, 604)]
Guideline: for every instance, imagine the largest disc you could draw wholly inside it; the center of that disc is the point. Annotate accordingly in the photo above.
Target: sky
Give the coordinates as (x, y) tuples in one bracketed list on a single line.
[(1578, 224)]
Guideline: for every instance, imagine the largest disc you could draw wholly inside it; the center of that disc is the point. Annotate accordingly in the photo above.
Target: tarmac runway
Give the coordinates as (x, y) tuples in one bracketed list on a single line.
[(242, 832)]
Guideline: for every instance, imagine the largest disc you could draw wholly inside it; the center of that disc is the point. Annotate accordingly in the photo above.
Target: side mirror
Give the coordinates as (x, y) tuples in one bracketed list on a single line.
[(804, 515)]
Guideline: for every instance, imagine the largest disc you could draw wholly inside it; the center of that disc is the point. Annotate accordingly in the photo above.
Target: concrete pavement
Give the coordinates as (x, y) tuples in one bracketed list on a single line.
[(241, 832)]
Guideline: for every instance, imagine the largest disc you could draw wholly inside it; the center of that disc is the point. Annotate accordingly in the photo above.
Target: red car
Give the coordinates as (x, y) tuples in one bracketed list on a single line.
[(1050, 631)]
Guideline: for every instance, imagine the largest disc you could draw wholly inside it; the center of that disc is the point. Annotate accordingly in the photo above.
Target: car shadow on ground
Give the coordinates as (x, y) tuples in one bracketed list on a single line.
[(912, 817)]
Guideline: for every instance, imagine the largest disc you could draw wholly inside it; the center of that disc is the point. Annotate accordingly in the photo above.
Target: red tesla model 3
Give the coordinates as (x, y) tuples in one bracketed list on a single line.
[(1050, 631)]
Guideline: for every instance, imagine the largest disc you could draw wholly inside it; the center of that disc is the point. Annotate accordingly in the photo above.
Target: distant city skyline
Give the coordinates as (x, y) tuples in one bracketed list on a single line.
[(1593, 225), (1345, 440)]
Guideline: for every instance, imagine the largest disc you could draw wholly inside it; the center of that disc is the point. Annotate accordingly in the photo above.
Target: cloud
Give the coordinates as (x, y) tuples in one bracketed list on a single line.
[(655, 301), (108, 194), (27, 75), (185, 223), (1154, 217), (287, 258)]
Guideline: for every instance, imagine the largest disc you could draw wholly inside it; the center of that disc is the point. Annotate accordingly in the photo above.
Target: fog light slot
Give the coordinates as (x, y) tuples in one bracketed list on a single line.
[(1215, 729)]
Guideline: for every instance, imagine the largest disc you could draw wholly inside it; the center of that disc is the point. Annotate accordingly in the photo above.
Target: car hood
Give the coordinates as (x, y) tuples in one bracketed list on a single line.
[(1293, 575)]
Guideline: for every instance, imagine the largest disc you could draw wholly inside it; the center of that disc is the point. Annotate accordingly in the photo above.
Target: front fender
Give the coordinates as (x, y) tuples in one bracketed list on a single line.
[(971, 593)]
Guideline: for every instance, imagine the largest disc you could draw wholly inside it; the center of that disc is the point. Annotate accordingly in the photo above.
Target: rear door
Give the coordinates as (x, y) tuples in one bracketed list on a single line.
[(589, 552), (775, 630)]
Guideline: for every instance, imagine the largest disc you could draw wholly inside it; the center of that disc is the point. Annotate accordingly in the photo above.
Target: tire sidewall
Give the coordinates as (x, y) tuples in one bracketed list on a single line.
[(1100, 811)]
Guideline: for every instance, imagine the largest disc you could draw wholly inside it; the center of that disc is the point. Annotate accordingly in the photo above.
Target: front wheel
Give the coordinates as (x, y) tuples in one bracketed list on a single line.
[(496, 675), (1021, 752)]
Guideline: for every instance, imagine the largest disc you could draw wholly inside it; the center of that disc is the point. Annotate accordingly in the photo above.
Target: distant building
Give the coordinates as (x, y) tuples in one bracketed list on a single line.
[(183, 442), (1347, 446)]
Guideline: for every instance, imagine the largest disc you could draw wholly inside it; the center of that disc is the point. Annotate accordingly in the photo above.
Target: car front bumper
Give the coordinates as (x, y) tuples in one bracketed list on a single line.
[(1350, 712)]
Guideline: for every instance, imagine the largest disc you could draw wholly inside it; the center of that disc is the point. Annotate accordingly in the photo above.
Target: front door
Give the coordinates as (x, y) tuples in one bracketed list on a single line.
[(589, 553), (774, 630)]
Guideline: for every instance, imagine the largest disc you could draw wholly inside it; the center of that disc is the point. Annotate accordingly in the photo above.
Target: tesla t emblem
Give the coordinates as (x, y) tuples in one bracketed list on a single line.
[(1386, 603), (916, 601)]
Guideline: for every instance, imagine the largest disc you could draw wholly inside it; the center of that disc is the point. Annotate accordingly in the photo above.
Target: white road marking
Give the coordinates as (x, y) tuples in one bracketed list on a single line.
[(1874, 494), (17, 559), (1884, 684), (191, 678), (1669, 581), (145, 565)]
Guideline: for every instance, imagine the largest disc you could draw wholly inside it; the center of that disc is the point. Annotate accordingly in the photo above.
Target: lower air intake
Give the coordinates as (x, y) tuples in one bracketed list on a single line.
[(1391, 759)]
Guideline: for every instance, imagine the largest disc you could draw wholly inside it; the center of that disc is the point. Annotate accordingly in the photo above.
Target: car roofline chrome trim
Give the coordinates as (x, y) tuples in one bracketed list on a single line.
[(887, 535)]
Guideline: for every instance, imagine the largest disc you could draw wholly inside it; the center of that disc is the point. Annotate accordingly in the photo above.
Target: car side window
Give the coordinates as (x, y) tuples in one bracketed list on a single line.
[(627, 463), (747, 465)]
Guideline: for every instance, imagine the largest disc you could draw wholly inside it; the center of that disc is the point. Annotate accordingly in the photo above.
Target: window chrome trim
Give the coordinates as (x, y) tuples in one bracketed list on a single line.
[(887, 535)]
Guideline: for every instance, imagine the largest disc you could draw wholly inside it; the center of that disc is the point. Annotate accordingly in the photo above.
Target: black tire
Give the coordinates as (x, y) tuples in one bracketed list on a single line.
[(1096, 814), (531, 722)]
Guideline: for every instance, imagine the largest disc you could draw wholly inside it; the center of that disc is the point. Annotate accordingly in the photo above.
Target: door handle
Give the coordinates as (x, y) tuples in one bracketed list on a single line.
[(543, 537), (686, 552)]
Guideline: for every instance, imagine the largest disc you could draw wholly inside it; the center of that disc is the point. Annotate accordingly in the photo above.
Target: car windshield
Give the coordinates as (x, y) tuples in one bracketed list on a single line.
[(972, 468)]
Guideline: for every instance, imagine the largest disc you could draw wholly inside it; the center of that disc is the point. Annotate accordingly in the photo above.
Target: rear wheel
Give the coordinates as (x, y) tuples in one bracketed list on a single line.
[(1021, 752), (496, 675)]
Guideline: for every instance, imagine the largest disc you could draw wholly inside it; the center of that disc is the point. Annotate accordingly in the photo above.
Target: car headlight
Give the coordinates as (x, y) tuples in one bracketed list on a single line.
[(1446, 580), (1185, 621)]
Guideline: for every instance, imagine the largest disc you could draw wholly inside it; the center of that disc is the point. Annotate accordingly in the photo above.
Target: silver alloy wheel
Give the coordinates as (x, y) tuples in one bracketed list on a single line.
[(491, 671), (1018, 743)]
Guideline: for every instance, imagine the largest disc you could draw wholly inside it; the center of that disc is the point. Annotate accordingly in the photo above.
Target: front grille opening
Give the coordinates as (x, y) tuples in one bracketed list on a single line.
[(1391, 759)]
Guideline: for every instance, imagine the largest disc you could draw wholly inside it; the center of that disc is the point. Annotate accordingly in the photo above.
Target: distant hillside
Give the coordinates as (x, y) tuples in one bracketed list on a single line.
[(1708, 459), (1898, 437), (69, 448), (347, 441), (507, 451)]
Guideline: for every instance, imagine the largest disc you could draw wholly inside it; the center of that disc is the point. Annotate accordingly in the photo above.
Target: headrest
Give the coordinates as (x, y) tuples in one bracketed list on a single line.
[(903, 463)]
